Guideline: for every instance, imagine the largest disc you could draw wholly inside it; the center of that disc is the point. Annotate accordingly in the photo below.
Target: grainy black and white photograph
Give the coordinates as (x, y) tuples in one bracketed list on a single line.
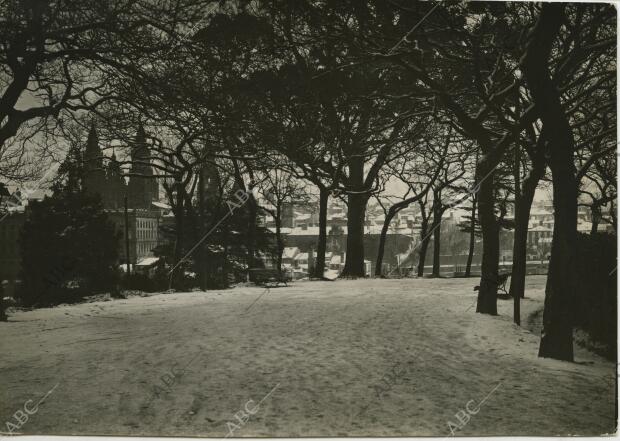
[(308, 218)]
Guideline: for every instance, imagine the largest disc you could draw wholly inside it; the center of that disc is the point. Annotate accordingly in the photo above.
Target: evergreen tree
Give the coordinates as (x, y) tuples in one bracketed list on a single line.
[(69, 247)]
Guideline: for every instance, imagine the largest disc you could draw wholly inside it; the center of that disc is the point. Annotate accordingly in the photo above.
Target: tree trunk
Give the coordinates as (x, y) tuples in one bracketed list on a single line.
[(519, 248), (436, 251), (356, 214), (522, 217), (472, 237), (436, 241), (384, 230), (279, 241), (487, 294), (557, 335), (251, 233), (225, 270), (612, 214), (596, 217), (3, 316), (393, 211), (423, 245), (321, 247), (518, 209), (203, 263), (179, 217), (354, 265)]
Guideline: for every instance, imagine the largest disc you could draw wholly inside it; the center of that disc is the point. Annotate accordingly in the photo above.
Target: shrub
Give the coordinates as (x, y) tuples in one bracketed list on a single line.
[(595, 303), (139, 282), (68, 248)]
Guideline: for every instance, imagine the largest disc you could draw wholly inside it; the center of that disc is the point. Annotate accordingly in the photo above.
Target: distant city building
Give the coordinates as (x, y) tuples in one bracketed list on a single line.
[(143, 233), (142, 192), (106, 178), (300, 229)]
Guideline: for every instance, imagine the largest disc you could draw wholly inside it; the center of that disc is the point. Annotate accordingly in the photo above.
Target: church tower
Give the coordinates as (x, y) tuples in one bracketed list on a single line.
[(143, 187), (94, 173), (116, 184)]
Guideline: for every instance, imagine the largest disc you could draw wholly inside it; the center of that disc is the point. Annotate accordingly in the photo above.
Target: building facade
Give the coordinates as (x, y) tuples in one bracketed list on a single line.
[(143, 228), (103, 176)]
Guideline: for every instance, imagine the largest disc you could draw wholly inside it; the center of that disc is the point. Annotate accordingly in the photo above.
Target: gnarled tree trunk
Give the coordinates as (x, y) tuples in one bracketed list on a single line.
[(472, 237), (522, 217), (179, 220), (354, 265), (436, 239), (321, 246), (384, 230), (487, 294), (557, 335), (356, 215), (595, 209), (423, 245)]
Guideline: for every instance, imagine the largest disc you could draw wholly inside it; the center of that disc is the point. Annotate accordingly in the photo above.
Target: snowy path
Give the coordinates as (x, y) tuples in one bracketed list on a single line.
[(315, 353)]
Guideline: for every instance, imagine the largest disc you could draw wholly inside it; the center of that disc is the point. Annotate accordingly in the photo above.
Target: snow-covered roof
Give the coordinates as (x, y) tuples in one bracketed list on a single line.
[(372, 229), (540, 228), (540, 212), (584, 226), (161, 205), (289, 252), (310, 231), (13, 209), (148, 261)]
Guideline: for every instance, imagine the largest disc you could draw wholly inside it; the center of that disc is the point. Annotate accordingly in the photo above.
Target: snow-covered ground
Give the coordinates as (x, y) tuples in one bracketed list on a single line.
[(349, 358)]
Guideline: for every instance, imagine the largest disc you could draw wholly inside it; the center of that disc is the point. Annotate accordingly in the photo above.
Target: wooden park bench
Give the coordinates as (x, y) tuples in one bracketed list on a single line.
[(268, 277), (501, 281)]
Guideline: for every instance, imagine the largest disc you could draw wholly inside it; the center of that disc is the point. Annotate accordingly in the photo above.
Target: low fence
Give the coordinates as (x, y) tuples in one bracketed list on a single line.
[(532, 268)]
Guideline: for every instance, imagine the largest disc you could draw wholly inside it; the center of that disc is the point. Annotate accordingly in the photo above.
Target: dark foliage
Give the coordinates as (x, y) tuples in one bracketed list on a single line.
[(69, 247), (221, 257), (596, 291), (142, 282), (3, 316)]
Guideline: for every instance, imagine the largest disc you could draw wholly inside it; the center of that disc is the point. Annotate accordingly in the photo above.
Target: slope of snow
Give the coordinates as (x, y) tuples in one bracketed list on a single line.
[(345, 358)]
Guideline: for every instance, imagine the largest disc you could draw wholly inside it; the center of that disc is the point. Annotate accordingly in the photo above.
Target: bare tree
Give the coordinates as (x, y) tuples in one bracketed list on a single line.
[(408, 169), (556, 341), (69, 57), (278, 188)]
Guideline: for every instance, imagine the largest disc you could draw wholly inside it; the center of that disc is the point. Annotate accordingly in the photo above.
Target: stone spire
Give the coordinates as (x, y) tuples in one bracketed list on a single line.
[(140, 154), (94, 179), (143, 188), (93, 156)]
